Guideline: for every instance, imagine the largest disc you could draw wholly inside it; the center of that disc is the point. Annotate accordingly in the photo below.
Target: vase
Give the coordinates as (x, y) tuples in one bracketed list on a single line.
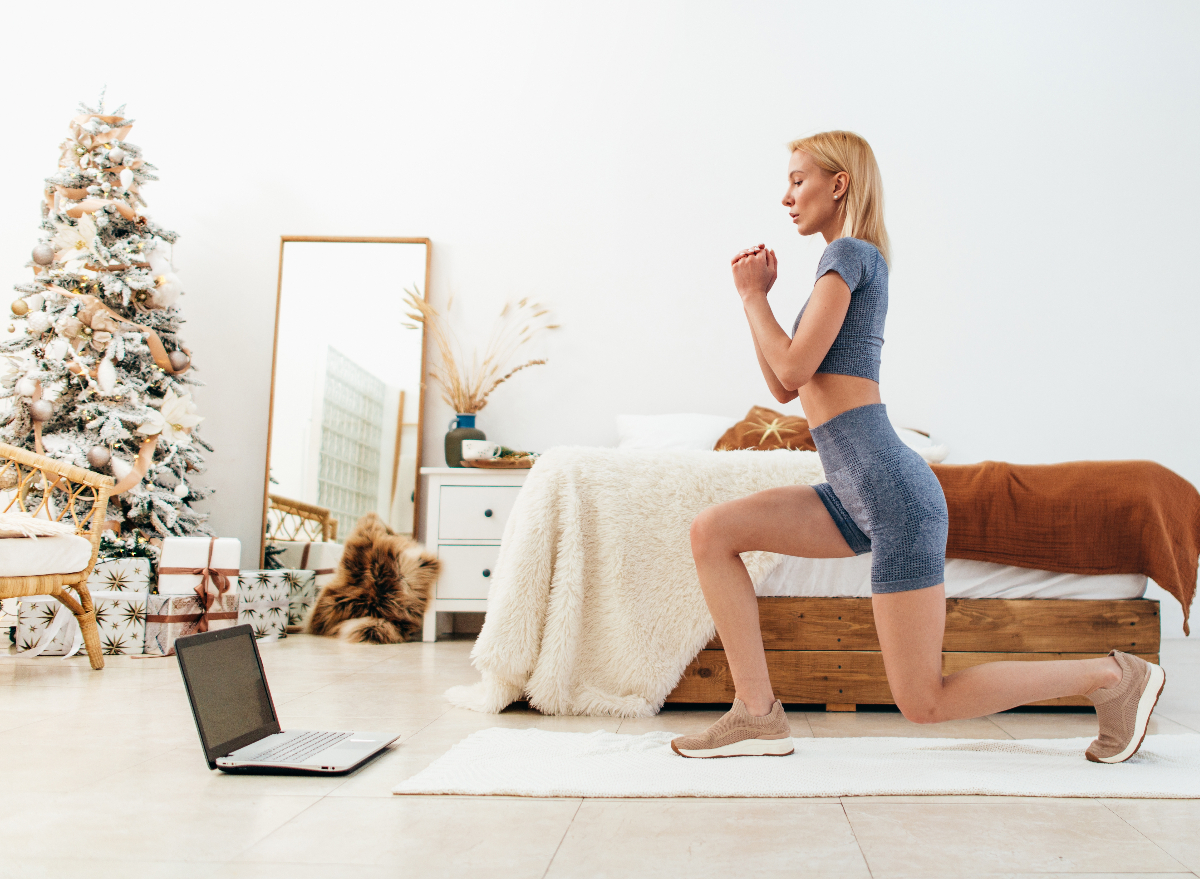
[(462, 427)]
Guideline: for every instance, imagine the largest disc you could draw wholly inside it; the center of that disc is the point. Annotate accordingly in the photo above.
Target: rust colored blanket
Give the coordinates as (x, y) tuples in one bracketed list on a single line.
[(1079, 517)]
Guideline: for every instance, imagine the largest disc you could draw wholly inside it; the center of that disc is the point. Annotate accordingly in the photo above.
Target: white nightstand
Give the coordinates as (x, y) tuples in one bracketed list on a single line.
[(465, 513)]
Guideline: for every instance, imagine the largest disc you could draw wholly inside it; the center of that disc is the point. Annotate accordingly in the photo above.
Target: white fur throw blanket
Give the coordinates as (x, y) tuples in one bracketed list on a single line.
[(595, 607)]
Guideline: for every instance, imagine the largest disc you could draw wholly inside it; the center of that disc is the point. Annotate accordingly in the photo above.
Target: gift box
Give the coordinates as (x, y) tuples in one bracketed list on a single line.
[(46, 627), (120, 575), (301, 592), (263, 601), (321, 558), (172, 616), (184, 561)]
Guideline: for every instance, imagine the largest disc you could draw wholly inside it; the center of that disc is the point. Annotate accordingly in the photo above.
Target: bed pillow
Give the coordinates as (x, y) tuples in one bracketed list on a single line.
[(765, 429), (683, 431), (919, 440)]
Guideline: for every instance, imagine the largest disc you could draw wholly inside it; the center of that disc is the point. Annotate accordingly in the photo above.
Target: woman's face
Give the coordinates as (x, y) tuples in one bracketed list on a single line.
[(810, 193)]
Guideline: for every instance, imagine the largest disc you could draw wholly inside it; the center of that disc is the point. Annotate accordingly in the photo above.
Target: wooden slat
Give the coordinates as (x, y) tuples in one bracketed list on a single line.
[(837, 676), (798, 676), (972, 624)]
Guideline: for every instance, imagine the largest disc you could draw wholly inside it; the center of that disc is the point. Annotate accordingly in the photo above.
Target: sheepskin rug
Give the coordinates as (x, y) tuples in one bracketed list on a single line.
[(595, 607)]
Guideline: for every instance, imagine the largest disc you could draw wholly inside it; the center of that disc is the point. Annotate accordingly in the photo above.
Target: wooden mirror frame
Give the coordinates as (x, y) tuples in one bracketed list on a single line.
[(345, 239)]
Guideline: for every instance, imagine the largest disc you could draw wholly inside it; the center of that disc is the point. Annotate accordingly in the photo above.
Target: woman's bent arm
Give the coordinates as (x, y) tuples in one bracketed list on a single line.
[(778, 391)]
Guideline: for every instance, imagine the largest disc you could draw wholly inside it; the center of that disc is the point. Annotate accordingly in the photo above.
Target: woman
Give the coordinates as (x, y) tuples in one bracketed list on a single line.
[(881, 496)]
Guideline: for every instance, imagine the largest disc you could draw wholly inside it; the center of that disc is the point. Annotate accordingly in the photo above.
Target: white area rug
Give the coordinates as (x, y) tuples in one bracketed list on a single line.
[(536, 763)]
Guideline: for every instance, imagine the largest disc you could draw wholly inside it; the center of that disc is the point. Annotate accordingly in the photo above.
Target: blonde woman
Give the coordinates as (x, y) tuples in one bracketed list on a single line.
[(881, 496)]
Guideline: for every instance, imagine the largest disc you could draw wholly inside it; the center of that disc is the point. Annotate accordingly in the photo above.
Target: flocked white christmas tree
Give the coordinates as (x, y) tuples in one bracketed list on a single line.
[(94, 371)]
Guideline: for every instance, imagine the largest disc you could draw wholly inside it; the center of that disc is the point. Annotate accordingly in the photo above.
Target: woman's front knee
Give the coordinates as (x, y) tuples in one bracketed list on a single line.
[(706, 532)]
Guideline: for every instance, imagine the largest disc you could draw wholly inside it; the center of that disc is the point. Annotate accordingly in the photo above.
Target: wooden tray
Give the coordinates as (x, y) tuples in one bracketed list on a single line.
[(500, 463)]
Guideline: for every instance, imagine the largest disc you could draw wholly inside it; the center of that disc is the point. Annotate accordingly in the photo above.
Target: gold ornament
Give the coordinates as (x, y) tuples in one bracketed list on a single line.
[(20, 308)]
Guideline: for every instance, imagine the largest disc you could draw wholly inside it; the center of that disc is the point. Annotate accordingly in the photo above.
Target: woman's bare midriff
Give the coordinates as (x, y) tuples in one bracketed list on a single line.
[(828, 394)]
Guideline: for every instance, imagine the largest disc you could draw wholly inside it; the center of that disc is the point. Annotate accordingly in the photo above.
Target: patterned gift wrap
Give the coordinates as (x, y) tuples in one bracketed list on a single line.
[(322, 558), (302, 591), (172, 616), (120, 617), (120, 575), (263, 601)]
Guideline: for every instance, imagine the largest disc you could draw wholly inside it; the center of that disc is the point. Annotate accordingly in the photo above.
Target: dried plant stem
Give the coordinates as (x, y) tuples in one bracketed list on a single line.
[(467, 390)]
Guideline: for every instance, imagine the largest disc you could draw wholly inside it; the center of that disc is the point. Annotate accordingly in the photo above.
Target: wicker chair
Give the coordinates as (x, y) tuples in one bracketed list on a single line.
[(295, 520), (36, 484)]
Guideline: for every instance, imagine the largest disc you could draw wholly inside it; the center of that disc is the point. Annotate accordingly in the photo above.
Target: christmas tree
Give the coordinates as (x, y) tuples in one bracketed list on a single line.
[(94, 372)]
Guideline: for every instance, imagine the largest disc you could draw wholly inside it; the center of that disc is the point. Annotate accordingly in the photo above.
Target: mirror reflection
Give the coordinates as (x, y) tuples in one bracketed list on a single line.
[(345, 429)]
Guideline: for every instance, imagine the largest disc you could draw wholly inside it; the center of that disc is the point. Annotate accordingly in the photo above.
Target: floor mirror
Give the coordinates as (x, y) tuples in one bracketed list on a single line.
[(344, 435)]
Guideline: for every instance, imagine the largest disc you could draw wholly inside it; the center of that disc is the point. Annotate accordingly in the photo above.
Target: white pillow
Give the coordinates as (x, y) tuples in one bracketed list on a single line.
[(684, 431), (933, 454)]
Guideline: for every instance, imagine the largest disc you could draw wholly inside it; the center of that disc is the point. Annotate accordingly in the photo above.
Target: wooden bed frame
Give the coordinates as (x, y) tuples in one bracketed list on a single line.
[(825, 650)]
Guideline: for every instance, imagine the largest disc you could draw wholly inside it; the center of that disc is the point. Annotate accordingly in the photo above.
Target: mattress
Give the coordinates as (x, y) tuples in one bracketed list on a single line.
[(965, 578)]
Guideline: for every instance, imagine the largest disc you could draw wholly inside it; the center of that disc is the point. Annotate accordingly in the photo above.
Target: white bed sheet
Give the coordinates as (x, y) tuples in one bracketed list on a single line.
[(965, 578)]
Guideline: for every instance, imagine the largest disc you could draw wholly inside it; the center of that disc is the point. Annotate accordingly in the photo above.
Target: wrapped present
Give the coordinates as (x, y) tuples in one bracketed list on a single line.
[(47, 627), (120, 575), (321, 558), (301, 591), (189, 563), (263, 601), (172, 616)]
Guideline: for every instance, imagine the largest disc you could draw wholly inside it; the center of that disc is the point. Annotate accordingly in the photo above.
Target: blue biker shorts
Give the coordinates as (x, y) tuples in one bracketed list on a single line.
[(884, 499)]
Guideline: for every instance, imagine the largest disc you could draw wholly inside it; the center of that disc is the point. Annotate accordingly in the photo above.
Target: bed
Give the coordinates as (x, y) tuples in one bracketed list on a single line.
[(595, 608)]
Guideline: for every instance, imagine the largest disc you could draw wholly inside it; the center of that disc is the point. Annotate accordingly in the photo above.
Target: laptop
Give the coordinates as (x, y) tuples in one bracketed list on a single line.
[(236, 718)]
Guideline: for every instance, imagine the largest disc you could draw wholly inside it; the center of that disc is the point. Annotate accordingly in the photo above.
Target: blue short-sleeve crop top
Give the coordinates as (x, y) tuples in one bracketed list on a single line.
[(857, 348)]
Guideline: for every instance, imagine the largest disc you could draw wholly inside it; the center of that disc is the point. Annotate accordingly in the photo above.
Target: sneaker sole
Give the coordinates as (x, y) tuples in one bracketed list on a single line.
[(1146, 706), (744, 748)]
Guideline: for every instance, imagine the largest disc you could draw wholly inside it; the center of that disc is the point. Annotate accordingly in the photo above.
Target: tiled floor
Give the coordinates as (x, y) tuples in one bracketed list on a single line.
[(103, 776)]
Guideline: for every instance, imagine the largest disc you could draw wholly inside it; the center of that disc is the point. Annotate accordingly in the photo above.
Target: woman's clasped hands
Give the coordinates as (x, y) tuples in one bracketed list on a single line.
[(754, 271)]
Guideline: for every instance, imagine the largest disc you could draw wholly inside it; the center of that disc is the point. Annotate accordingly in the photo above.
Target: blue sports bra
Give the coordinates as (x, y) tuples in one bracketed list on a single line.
[(857, 348)]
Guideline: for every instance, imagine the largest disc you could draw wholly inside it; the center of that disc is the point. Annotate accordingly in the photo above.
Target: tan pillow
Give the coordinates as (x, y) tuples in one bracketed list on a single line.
[(765, 429)]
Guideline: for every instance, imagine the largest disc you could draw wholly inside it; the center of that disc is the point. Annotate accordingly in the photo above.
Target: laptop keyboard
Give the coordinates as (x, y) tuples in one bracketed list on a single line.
[(299, 748)]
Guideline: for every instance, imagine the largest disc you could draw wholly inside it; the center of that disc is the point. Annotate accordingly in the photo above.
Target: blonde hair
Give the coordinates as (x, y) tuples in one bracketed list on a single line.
[(836, 151)]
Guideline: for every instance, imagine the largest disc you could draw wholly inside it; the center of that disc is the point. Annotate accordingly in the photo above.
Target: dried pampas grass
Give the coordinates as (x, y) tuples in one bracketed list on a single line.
[(466, 389)]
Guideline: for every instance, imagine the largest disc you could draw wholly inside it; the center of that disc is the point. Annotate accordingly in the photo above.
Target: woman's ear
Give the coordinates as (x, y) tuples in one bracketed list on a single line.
[(841, 182)]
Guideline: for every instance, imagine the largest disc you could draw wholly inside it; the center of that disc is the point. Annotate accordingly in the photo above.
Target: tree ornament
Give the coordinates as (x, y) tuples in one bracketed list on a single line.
[(106, 376), (179, 361), (98, 457), (20, 307), (116, 155), (38, 322), (41, 410), (43, 254), (26, 387)]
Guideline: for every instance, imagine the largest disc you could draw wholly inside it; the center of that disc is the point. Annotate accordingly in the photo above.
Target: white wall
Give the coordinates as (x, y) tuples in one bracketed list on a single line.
[(608, 158)]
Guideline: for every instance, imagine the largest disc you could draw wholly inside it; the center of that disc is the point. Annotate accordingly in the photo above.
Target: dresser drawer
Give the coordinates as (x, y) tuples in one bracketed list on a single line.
[(466, 571), (475, 512)]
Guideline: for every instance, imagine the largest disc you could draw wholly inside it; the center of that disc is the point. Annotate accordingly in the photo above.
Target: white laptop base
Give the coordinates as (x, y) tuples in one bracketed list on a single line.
[(310, 750)]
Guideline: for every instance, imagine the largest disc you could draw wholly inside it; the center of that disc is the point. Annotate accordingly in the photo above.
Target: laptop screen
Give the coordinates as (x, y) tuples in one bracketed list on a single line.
[(228, 691)]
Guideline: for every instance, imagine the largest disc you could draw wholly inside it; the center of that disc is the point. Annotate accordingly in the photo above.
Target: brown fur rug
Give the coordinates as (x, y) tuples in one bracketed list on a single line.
[(380, 590)]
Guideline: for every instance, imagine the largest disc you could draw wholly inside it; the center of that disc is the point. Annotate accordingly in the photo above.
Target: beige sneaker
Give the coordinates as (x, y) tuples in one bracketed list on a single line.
[(740, 734), (1124, 710)]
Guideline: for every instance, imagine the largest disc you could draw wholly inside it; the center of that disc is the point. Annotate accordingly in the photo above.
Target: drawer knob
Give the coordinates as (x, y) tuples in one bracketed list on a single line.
[(487, 514), (487, 572)]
